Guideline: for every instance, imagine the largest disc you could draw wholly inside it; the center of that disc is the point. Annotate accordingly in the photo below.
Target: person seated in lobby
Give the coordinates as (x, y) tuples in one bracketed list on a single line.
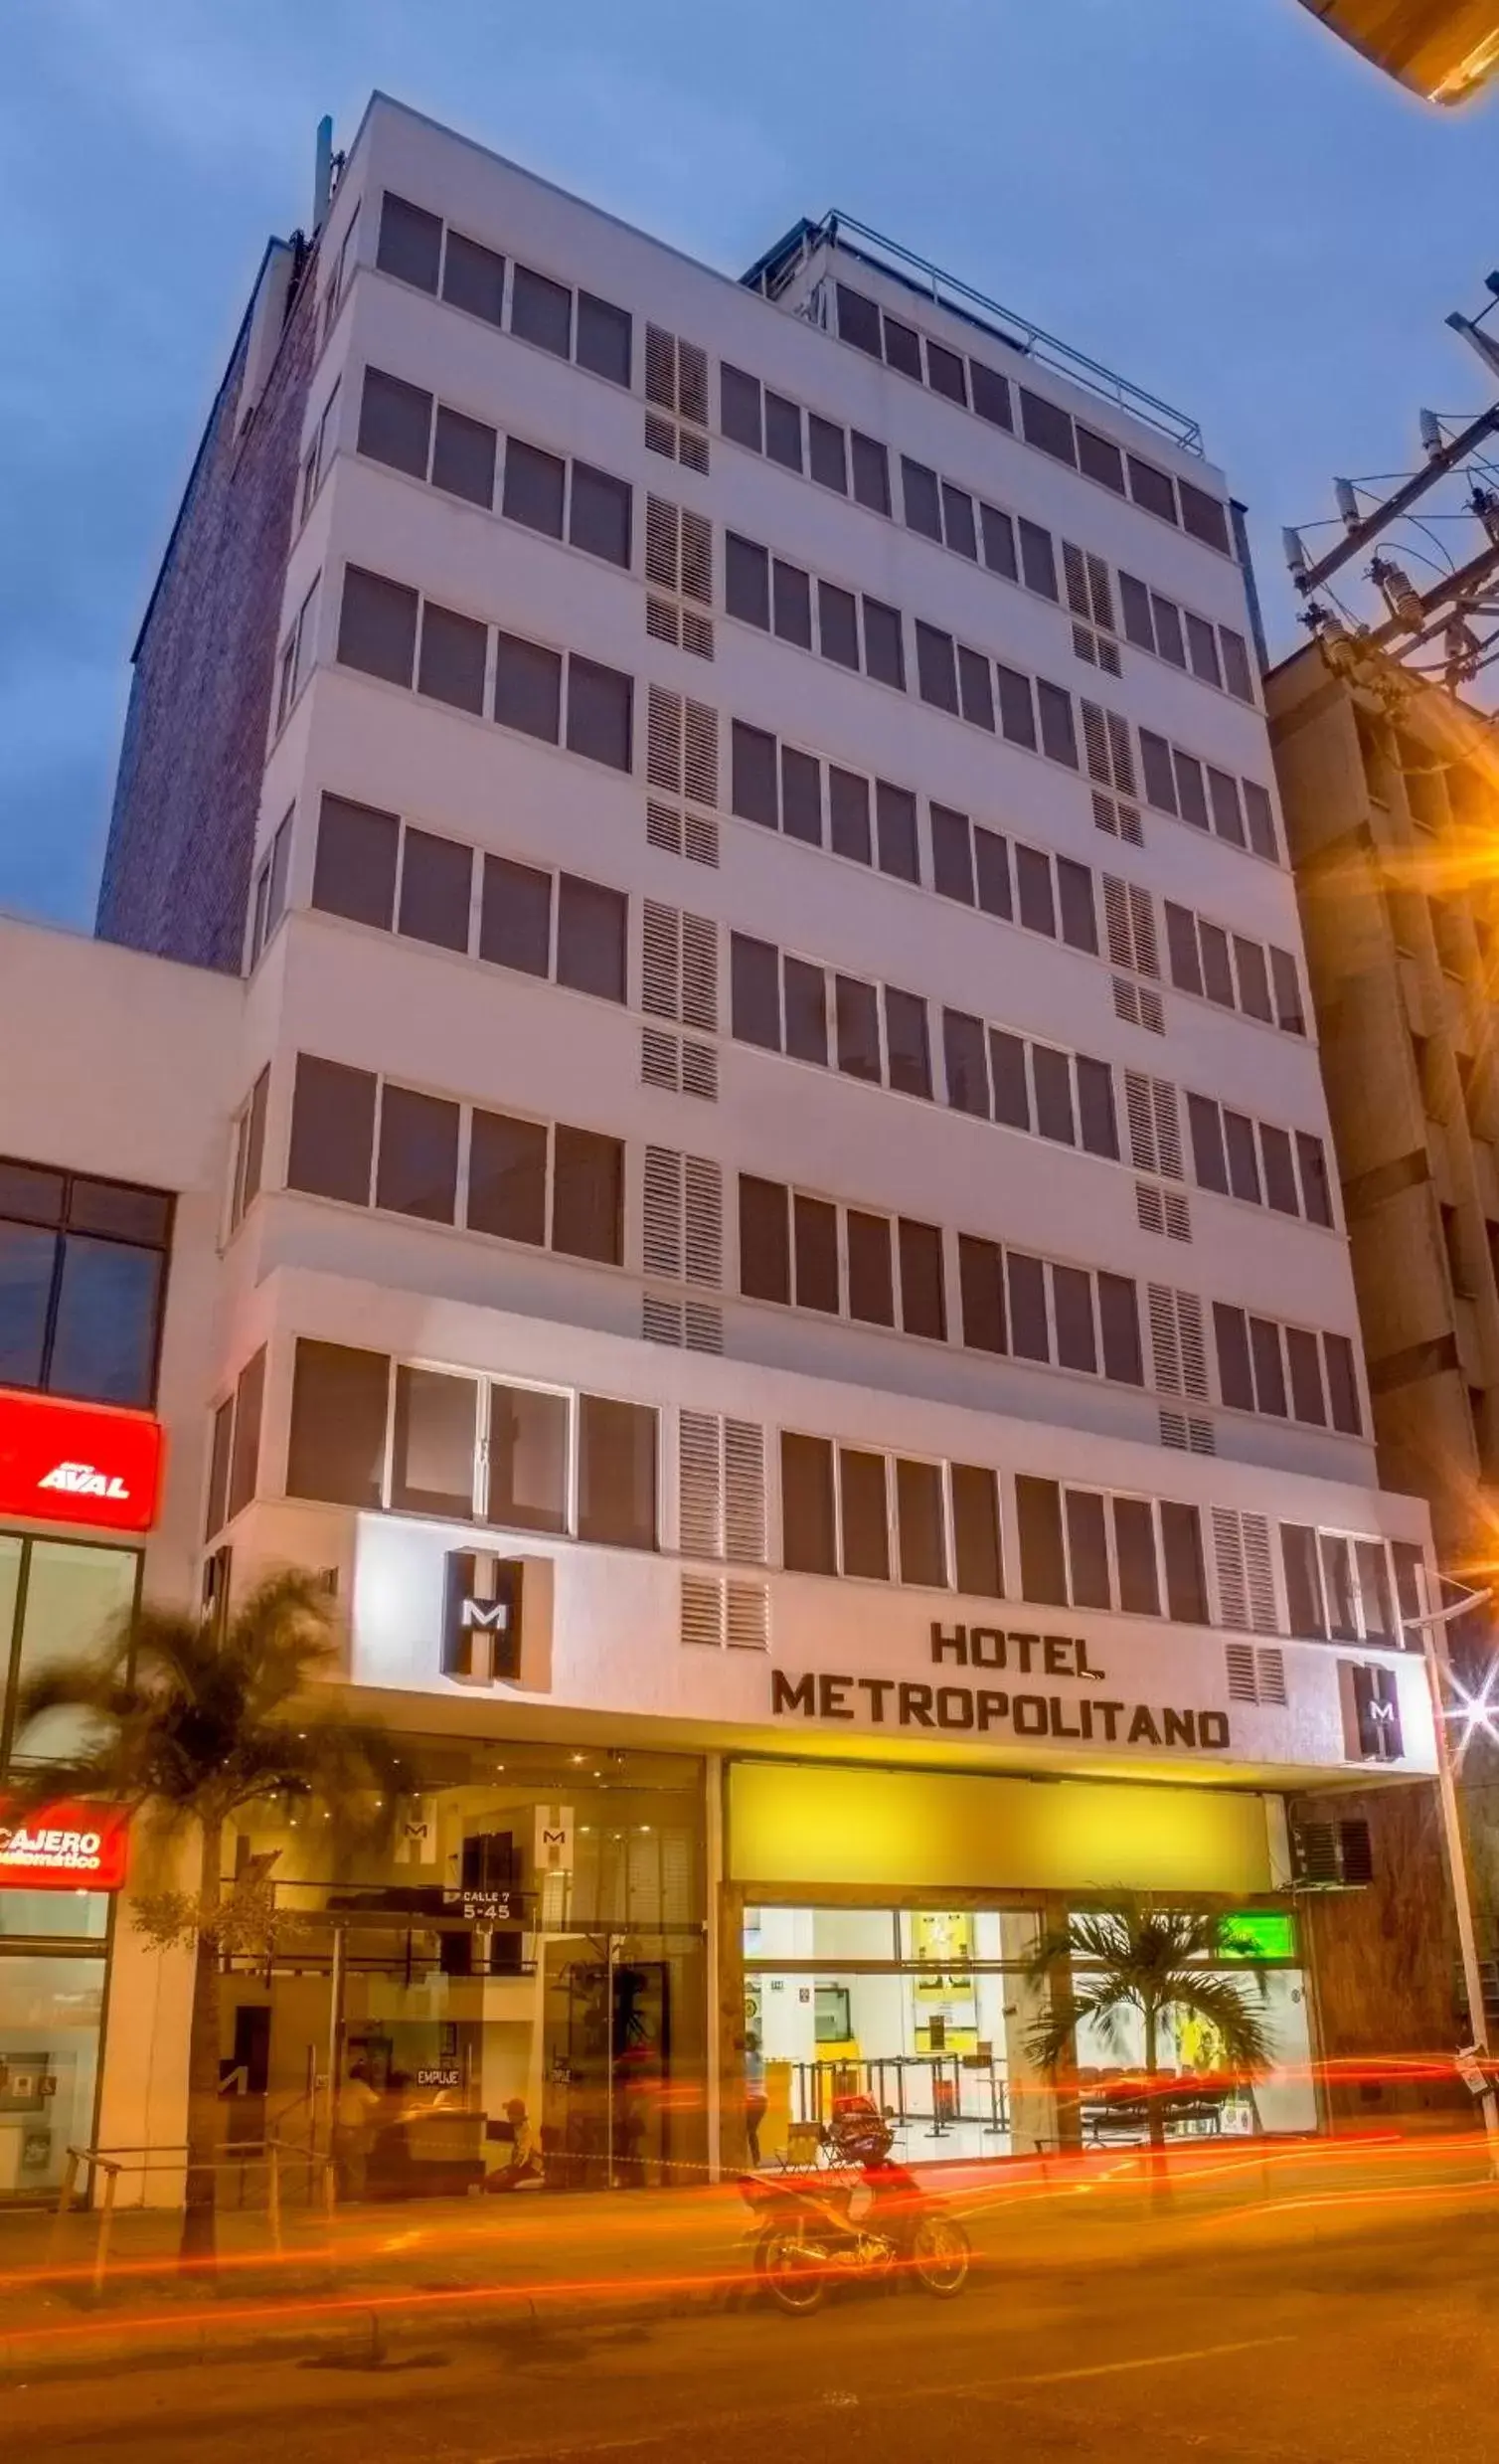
[(522, 2168)]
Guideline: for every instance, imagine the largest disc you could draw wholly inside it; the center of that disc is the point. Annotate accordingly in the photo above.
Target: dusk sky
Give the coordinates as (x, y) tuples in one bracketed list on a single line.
[(1210, 195)]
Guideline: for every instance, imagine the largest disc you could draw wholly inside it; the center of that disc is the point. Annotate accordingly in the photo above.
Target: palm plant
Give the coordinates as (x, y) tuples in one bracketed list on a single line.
[(1138, 1958), (185, 1721)]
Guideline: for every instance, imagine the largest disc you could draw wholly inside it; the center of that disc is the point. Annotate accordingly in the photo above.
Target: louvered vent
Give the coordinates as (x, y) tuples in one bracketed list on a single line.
[(721, 1614), (1121, 752), (1162, 1210), (676, 380), (1256, 1673), (1142, 925), (722, 1488), (1178, 1352), (682, 1232), (679, 973), (1109, 660), (1188, 1434), (1245, 1575), (695, 1325), (1150, 1110), (1178, 1216), (686, 834), (663, 621), (682, 747), (679, 1064), (1085, 644)]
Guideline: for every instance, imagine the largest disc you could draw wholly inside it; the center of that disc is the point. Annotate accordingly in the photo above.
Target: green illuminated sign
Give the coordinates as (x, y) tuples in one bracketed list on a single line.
[(1258, 1933)]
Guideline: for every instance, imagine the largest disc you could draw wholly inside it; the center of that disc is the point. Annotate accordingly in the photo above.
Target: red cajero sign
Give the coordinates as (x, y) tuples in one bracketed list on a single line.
[(79, 1462), (64, 1847)]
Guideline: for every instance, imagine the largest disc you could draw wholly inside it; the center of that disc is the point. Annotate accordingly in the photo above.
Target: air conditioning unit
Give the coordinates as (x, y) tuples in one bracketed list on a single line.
[(1331, 1857)]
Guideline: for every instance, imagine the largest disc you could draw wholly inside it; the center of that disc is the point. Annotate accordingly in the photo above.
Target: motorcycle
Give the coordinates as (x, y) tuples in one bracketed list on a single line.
[(859, 2217)]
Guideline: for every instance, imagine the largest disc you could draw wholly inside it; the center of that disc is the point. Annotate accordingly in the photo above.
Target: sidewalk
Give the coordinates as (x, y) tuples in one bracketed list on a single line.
[(355, 2285)]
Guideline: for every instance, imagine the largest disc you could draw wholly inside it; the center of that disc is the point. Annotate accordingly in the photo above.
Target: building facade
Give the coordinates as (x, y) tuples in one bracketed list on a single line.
[(780, 1248)]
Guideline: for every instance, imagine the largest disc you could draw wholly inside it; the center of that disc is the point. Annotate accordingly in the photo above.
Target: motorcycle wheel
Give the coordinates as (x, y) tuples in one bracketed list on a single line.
[(795, 2281), (940, 2255)]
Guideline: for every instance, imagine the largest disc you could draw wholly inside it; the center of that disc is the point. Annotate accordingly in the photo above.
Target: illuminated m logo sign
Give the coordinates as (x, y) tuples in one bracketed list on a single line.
[(481, 1617), (1377, 1713)]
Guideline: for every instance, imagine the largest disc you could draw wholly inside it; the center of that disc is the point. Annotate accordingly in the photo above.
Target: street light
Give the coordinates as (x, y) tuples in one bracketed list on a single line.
[(1478, 1711)]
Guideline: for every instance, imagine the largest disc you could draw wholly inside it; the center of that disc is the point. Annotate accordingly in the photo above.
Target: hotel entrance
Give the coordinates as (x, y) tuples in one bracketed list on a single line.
[(885, 1925), (513, 1994)]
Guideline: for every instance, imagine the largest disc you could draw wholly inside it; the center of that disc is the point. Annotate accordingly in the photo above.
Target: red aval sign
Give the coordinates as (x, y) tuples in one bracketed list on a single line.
[(64, 1847), (79, 1462)]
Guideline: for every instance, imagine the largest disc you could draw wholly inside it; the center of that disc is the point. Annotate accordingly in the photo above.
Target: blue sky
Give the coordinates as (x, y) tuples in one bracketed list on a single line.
[(1210, 195)]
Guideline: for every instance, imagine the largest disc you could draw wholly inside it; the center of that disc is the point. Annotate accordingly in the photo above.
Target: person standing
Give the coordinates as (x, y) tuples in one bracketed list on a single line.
[(353, 2131), (755, 2099)]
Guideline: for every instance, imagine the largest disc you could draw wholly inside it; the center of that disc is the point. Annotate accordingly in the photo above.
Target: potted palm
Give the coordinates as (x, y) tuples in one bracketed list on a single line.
[(185, 1721), (1139, 1962)]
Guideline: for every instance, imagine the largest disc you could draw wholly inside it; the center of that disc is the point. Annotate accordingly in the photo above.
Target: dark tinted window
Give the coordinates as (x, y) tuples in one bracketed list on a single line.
[(603, 339), (1096, 1107), (103, 1337), (814, 1231), (1303, 1582), (1017, 715), (1206, 517), (527, 688), (859, 321), (884, 653), (1007, 1065), (1182, 951), (1151, 488), (1058, 740), (764, 1240), (981, 1286), (436, 878), (1053, 1095), (902, 346), (338, 1423), (800, 796), (590, 936), (1074, 897), (1098, 458), (1258, 809), (1033, 882), (411, 242), (923, 1302), (919, 495), (528, 1458), (998, 532), (755, 978), (515, 916), (1160, 776), (433, 1444), (791, 592), (991, 395), (871, 473), (936, 667), (1244, 1160), (896, 831), (747, 581), (28, 1256), (1191, 798), (945, 372), (474, 277), (464, 457), (451, 669), (920, 1524), (1308, 1401), (1044, 425), (1042, 1559), (1287, 982), (827, 454), (1269, 1372), (1087, 1549), (871, 1279), (587, 1195), (1235, 1382), (1182, 1547), (1316, 1192), (848, 813), (1073, 1305), (991, 857), (540, 311), (754, 789), (332, 1131), (857, 1019), (953, 854), (600, 704), (783, 430), (1218, 975), (739, 414), (535, 484), (1119, 1326), (599, 515), (1280, 1171), (507, 1177), (1208, 1156), (376, 630), (1134, 1547), (354, 873), (864, 1513), (838, 624), (975, 689), (958, 522), (964, 1056), (1343, 1384), (807, 1522), (616, 1473), (975, 1531), (807, 1007), (395, 420), (908, 1052), (419, 1156)]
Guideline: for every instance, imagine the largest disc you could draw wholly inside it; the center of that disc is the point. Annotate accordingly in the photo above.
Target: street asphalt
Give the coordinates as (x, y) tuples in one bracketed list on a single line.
[(1329, 2351)]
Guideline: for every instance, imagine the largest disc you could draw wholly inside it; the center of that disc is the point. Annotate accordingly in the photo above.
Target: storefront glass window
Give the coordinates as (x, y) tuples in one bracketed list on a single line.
[(50, 2013), (72, 1596), (532, 1935), (60, 1916)]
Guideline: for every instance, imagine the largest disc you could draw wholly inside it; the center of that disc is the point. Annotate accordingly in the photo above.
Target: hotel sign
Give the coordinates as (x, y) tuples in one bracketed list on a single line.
[(1023, 1707), (74, 1462)]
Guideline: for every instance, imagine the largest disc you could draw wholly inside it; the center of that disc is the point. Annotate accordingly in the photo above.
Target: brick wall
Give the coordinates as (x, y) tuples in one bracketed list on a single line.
[(177, 868)]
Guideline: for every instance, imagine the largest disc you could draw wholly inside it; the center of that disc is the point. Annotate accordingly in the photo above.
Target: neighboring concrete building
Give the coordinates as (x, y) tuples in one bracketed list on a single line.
[(781, 1247), (113, 1114)]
